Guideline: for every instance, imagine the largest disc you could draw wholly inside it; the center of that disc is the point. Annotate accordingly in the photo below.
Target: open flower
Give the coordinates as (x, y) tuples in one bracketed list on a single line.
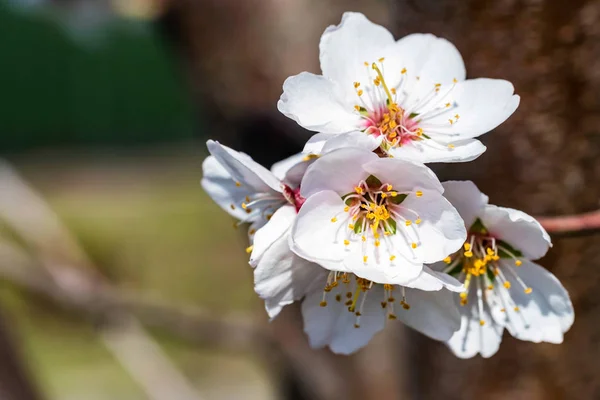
[(409, 97), (504, 288), (379, 218)]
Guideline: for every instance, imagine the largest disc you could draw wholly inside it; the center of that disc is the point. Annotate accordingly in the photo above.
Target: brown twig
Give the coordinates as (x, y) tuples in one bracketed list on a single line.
[(580, 224)]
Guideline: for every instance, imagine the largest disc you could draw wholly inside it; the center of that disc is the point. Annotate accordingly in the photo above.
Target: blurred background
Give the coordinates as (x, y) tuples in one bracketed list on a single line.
[(120, 279)]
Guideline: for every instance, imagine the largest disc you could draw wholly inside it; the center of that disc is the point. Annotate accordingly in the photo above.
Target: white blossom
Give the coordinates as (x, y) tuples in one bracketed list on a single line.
[(504, 288), (409, 97)]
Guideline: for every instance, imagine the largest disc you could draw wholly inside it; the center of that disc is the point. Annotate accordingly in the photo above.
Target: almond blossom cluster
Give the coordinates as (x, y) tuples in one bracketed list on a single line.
[(361, 231)]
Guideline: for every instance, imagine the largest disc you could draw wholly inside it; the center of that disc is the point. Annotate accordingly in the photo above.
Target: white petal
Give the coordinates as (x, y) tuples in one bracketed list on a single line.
[(281, 168), (482, 105), (546, 313), (279, 224), (467, 199), (404, 176), (281, 277), (429, 152), (518, 229), (316, 104), (314, 237), (221, 187), (315, 144), (333, 325), (378, 267), (430, 280), (432, 313), (352, 139), (430, 58), (442, 230), (340, 170), (473, 338), (345, 48), (243, 169)]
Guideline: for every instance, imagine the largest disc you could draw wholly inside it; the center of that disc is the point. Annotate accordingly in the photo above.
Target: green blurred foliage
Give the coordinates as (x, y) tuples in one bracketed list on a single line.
[(119, 88)]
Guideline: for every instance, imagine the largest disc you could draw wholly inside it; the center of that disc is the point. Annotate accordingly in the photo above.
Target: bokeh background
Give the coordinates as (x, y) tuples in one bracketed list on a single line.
[(120, 279)]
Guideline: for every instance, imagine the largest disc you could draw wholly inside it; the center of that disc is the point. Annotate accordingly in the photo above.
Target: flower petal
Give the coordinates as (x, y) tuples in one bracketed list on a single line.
[(281, 277), (518, 229), (428, 152), (430, 280), (243, 169), (346, 47), (340, 171), (473, 338), (432, 59), (441, 231), (221, 187), (432, 313), (333, 325), (314, 237), (315, 103), (315, 144), (482, 105), (544, 314), (352, 139), (404, 176), (279, 225), (467, 199)]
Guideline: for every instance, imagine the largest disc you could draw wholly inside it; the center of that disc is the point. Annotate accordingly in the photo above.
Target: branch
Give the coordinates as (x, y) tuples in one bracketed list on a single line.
[(572, 225)]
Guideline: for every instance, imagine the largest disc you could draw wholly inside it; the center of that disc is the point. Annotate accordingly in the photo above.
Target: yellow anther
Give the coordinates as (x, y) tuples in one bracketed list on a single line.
[(309, 157), (338, 297), (392, 257), (495, 257), (377, 243), (358, 190), (387, 286), (405, 305), (507, 284), (356, 85), (249, 249), (357, 107), (481, 322), (359, 92), (518, 263), (408, 222), (346, 209), (381, 59), (467, 246), (323, 304), (386, 233), (392, 317), (232, 207), (437, 85), (419, 132), (490, 287), (356, 326), (489, 251), (448, 260), (365, 258), (457, 117), (393, 124), (346, 242), (244, 206), (383, 304), (448, 105), (376, 81), (252, 231), (450, 146), (528, 290), (463, 295), (383, 195), (463, 302), (334, 219), (468, 254), (350, 226), (403, 71), (269, 216), (366, 64), (393, 135), (503, 310), (451, 121), (516, 309), (419, 193), (393, 90), (388, 187), (418, 221), (455, 80), (238, 184), (394, 194), (413, 245), (363, 238)]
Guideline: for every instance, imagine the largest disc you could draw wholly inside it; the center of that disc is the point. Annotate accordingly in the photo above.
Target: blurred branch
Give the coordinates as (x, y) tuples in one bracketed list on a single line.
[(572, 225), (67, 275)]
